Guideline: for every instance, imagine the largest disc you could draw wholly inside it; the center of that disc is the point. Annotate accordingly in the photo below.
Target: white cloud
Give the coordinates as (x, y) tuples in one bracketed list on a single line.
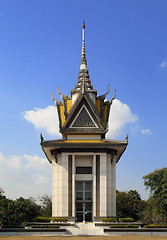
[(41, 180), (146, 131), (36, 162), (46, 118), (163, 64), (120, 115), (25, 176)]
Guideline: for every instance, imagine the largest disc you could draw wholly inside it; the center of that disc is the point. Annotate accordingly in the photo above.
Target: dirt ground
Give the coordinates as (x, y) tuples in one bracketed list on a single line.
[(129, 237)]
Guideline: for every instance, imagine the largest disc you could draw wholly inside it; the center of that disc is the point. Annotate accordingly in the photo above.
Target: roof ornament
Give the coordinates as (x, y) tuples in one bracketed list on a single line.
[(41, 137), (56, 101), (108, 89), (105, 94), (62, 95), (110, 101), (126, 139)]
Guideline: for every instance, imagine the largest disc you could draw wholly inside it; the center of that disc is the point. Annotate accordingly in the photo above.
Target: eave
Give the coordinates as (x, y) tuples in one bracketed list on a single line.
[(74, 146)]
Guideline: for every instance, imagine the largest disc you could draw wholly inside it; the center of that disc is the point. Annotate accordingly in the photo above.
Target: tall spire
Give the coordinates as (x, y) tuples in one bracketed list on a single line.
[(84, 83), (83, 59)]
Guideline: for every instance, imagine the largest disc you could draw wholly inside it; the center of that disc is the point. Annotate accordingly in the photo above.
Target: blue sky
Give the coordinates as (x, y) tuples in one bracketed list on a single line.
[(40, 46)]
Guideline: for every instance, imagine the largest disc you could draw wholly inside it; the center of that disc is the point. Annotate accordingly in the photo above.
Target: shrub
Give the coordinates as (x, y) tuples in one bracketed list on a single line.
[(155, 226), (108, 220), (12, 226), (124, 226), (59, 219), (126, 220), (45, 226), (42, 219)]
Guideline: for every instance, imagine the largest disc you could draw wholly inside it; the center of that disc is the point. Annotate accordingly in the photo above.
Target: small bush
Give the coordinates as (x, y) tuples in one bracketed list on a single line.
[(124, 226), (45, 226), (126, 220), (42, 219), (108, 220), (59, 219), (155, 226)]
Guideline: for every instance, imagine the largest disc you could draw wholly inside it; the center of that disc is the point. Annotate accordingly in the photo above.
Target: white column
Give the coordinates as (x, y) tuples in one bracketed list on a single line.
[(64, 180), (59, 187), (94, 185), (109, 185), (73, 185), (103, 184), (54, 187), (113, 187)]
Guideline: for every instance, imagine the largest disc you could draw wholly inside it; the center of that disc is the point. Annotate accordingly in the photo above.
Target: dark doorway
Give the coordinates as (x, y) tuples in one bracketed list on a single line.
[(83, 206)]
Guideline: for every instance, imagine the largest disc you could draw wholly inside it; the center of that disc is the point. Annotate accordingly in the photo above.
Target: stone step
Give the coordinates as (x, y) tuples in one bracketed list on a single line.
[(84, 229)]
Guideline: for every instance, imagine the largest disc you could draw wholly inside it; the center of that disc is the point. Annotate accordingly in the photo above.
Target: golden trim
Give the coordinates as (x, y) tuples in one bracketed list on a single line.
[(98, 105), (62, 115)]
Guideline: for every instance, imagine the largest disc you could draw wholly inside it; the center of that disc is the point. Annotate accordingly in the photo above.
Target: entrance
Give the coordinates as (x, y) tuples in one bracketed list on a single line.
[(83, 203)]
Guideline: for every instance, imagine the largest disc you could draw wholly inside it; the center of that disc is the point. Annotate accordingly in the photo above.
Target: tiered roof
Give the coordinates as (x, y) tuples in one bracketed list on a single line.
[(95, 110)]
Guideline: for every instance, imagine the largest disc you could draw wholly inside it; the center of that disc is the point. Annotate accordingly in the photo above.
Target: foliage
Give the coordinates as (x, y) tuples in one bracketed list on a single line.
[(46, 206), (151, 216), (129, 204), (155, 226), (157, 183), (108, 219), (25, 210), (126, 219), (62, 219), (12, 226), (156, 211), (42, 219), (45, 226), (124, 226), (1, 192), (20, 210)]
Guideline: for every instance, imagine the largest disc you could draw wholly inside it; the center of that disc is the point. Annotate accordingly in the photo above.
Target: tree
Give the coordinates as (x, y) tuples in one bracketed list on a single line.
[(1, 192), (46, 206), (3, 208), (25, 210), (129, 204), (157, 183)]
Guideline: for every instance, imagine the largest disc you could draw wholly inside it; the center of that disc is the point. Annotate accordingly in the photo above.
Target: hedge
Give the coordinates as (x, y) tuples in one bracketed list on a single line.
[(123, 226), (155, 226), (45, 226), (108, 220), (42, 219), (12, 226), (126, 220), (59, 219)]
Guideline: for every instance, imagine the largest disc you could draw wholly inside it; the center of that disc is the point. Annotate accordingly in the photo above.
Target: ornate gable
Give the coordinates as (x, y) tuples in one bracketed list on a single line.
[(83, 118)]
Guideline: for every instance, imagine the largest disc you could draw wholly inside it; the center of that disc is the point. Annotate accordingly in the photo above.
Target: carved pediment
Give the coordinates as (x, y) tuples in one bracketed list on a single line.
[(83, 119)]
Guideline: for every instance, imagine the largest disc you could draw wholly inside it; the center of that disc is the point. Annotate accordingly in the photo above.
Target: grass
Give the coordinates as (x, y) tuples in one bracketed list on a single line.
[(128, 237)]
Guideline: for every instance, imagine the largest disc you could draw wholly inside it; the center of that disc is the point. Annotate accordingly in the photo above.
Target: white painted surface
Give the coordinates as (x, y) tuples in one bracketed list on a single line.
[(94, 185), (73, 185), (113, 187), (64, 180), (103, 184), (74, 97)]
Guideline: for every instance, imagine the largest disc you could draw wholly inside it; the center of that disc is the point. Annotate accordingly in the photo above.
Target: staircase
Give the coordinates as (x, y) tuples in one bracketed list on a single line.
[(84, 229)]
